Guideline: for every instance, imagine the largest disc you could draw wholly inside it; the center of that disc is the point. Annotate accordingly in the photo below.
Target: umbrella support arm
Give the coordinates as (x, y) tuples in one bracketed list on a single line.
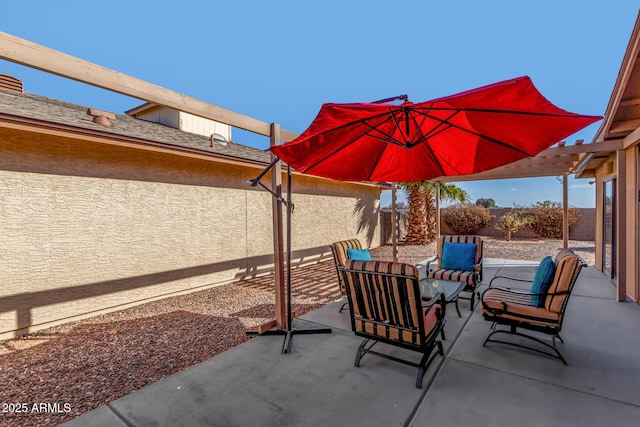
[(393, 98), (289, 332), (257, 181)]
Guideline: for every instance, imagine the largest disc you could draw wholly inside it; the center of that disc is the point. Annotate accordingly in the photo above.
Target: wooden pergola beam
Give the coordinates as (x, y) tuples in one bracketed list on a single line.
[(33, 55), (597, 147)]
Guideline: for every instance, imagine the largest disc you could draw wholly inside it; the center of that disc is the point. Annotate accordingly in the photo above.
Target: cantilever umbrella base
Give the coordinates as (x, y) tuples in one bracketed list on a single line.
[(289, 331)]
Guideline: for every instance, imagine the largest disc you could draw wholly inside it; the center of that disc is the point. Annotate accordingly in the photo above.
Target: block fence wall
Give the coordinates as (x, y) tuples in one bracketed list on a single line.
[(89, 228), (583, 229)]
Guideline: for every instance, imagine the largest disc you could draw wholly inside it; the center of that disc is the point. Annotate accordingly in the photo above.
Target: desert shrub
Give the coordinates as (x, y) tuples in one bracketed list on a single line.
[(546, 219), (466, 219), (512, 221)]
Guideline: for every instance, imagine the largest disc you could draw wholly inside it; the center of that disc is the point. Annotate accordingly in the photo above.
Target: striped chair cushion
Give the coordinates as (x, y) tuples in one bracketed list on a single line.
[(388, 306), (517, 307), (396, 333), (568, 266), (340, 250), (340, 257), (468, 277)]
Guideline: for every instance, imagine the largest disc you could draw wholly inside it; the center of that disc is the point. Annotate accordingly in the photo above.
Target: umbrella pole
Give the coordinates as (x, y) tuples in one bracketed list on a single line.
[(288, 331), (394, 223), (437, 211)]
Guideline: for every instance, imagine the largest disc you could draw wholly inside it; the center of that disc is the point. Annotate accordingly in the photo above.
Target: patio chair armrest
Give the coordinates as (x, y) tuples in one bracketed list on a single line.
[(429, 261), (516, 279), (438, 298), (512, 291)]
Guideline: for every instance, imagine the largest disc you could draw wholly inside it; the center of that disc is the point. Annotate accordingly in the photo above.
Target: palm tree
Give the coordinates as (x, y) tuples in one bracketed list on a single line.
[(422, 211)]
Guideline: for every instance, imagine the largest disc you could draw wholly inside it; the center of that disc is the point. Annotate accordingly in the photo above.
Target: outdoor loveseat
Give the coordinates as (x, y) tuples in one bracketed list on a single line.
[(386, 306)]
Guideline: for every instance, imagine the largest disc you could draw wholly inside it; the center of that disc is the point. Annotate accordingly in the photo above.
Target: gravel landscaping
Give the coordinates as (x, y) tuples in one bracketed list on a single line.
[(73, 368)]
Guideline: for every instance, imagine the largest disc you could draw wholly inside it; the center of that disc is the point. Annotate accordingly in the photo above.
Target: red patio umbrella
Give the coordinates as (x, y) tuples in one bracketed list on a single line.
[(461, 134)]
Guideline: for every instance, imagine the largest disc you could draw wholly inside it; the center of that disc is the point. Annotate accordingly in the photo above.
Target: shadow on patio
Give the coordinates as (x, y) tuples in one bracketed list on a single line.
[(317, 384)]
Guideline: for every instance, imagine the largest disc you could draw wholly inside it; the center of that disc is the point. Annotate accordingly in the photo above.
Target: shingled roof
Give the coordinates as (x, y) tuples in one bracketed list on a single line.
[(18, 106)]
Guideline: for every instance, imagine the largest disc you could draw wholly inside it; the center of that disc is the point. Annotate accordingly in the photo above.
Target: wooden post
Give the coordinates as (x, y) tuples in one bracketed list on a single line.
[(437, 211), (621, 222), (278, 233), (394, 223), (33, 55), (565, 212)]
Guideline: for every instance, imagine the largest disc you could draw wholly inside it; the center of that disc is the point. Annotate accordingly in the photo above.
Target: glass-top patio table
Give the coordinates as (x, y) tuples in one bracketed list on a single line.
[(450, 289)]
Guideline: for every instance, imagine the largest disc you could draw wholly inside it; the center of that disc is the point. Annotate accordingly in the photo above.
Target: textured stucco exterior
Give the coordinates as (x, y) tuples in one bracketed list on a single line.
[(90, 227)]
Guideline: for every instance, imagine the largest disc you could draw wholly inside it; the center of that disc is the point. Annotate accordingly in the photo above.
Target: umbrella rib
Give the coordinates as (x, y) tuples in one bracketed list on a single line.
[(395, 122), (378, 157), (434, 158), (528, 113), (356, 137), (386, 137), (488, 138), (434, 131)]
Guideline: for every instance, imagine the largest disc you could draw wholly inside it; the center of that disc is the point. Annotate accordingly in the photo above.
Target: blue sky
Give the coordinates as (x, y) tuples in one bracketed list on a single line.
[(279, 61)]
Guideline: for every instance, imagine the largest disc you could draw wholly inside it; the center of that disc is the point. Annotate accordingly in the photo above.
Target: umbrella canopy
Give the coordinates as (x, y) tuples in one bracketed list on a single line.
[(462, 134)]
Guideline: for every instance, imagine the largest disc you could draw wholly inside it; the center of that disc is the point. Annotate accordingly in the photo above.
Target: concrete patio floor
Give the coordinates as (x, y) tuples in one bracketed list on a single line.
[(316, 384)]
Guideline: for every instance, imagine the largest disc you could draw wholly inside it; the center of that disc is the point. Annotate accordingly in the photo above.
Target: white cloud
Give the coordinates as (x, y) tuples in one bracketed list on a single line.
[(581, 186), (513, 189)]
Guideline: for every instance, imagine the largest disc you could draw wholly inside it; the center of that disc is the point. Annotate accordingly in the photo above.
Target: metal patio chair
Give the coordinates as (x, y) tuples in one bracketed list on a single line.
[(340, 258), (386, 306), (472, 278), (515, 309)]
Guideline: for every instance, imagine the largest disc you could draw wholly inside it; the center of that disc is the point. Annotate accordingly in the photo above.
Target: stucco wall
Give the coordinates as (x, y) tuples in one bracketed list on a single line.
[(88, 227)]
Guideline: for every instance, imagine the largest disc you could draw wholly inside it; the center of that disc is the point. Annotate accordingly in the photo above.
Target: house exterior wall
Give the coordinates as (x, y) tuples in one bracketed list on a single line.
[(631, 239), (201, 126), (90, 228)]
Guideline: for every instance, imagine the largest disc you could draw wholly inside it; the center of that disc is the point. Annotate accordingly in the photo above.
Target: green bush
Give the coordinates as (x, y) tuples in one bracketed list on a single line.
[(466, 219), (546, 219)]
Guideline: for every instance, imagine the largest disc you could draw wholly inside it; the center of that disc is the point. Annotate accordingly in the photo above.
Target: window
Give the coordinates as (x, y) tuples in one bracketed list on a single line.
[(609, 228)]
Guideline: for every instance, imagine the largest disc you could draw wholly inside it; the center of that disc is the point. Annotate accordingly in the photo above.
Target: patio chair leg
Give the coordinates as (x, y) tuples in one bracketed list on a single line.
[(362, 350), (426, 361), (556, 353), (343, 307), (457, 309)]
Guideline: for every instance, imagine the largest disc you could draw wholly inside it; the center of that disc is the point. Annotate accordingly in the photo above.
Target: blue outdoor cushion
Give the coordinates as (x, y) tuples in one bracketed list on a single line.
[(542, 280), (458, 256), (359, 254)]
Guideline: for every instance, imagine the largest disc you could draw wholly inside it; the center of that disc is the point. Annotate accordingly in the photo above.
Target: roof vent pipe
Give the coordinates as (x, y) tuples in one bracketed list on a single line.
[(101, 117), (219, 139)]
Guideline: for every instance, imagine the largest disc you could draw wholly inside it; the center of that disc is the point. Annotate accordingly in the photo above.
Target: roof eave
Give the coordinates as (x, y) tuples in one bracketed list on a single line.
[(626, 69), (61, 130)]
